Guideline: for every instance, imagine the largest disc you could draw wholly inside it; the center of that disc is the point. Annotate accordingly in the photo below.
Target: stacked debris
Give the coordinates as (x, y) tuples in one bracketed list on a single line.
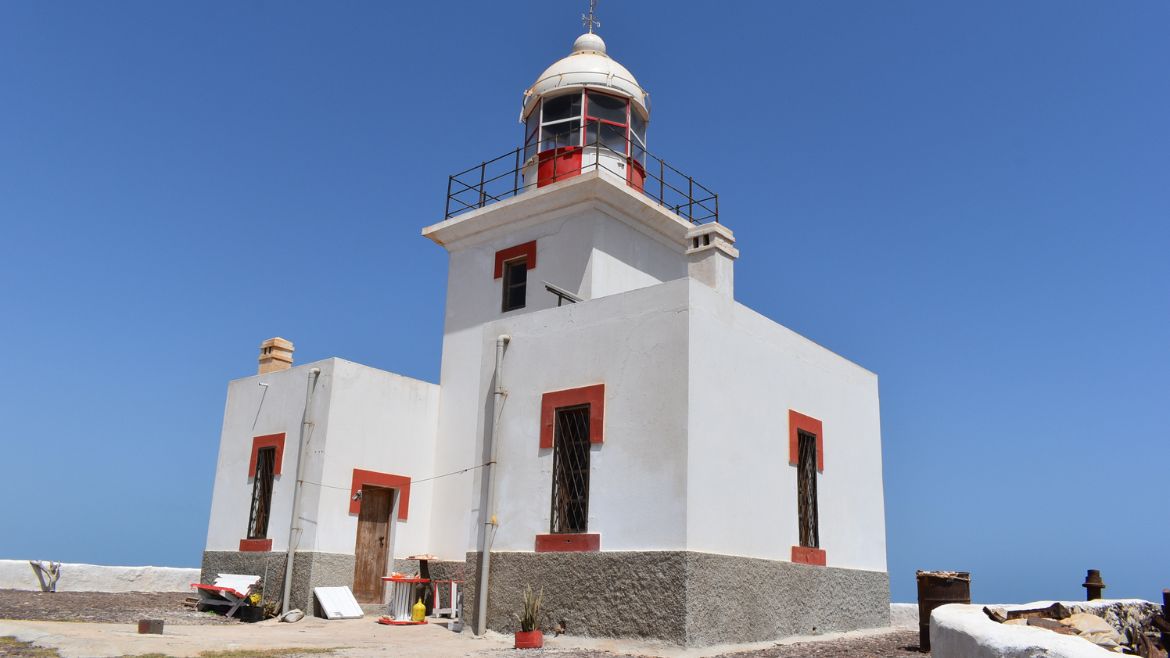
[(1126, 627)]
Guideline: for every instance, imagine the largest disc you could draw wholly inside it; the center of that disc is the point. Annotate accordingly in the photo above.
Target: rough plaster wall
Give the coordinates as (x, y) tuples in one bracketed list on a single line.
[(75, 577), (738, 599), (610, 594), (681, 597), (310, 569)]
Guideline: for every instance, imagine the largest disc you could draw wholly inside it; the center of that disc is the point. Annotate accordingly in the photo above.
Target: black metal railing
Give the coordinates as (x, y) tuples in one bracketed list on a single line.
[(502, 177)]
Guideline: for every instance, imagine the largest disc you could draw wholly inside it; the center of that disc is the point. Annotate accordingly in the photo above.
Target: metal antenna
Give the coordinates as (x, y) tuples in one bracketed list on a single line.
[(590, 20)]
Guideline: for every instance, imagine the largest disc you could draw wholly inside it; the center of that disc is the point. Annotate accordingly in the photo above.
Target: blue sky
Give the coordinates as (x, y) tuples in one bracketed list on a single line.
[(970, 199)]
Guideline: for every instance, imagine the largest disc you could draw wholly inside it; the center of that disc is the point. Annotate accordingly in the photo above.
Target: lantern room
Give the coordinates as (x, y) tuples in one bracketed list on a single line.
[(585, 111)]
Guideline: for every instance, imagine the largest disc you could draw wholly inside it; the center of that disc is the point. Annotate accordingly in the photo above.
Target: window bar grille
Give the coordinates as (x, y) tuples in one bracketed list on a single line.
[(570, 500), (807, 489), (261, 494)]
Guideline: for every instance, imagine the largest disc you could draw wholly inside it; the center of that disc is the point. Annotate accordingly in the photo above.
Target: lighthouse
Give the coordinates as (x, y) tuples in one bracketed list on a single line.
[(610, 425)]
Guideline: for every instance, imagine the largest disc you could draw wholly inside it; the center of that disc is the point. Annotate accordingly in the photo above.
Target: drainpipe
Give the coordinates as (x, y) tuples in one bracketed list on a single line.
[(485, 555), (294, 528)]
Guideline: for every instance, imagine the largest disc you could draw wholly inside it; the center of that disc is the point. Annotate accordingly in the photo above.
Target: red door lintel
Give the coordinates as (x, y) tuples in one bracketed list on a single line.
[(376, 479)]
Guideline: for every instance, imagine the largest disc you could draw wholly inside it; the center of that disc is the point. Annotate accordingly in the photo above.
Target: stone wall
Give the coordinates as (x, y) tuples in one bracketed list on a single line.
[(310, 569), (686, 598)]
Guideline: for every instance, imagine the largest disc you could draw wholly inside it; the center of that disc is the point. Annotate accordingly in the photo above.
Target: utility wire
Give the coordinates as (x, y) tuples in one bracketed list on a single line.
[(412, 482)]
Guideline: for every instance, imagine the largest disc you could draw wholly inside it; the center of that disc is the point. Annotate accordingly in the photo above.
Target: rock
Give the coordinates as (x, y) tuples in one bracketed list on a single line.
[(1052, 625), (1016, 622), (1084, 622), (1107, 640)]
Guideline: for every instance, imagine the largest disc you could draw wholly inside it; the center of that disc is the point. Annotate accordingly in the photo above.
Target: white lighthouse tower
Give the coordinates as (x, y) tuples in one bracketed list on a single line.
[(651, 446)]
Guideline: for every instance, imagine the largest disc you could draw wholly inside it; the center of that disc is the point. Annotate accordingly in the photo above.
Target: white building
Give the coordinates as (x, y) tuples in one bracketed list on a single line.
[(662, 460)]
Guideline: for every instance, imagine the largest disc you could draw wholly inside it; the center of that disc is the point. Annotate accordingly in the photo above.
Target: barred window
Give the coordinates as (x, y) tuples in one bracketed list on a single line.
[(261, 494), (570, 494), (806, 475)]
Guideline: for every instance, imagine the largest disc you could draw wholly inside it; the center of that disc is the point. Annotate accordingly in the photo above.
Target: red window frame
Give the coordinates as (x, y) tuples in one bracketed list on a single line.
[(798, 422), (594, 396)]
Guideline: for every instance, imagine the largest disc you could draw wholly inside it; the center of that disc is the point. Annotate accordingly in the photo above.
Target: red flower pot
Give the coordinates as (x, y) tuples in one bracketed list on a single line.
[(529, 639)]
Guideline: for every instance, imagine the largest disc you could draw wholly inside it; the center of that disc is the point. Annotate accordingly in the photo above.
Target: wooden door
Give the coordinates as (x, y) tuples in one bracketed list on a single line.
[(373, 544)]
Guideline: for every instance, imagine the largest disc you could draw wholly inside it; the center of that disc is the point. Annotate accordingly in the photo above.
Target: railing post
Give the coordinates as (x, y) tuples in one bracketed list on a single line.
[(447, 213), (661, 180), (482, 171), (691, 199), (597, 149), (716, 208), (516, 174)]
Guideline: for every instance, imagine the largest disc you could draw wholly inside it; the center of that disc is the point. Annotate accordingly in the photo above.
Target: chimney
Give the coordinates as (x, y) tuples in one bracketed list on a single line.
[(711, 255), (275, 354)]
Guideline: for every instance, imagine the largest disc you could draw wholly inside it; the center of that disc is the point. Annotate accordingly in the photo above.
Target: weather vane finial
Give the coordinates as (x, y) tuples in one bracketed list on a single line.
[(590, 20)]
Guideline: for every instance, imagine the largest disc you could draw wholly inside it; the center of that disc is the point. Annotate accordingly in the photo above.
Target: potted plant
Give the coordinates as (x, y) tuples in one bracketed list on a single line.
[(529, 635)]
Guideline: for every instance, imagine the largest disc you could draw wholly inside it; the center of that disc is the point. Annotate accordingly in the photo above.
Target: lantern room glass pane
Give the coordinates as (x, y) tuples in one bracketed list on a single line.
[(531, 124), (565, 133), (607, 108), (562, 107), (638, 126), (613, 138)]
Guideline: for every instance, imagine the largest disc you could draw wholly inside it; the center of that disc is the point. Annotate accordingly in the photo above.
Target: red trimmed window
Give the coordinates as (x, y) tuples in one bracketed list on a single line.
[(512, 264), (806, 453), (401, 483), (263, 465), (571, 422), (267, 441)]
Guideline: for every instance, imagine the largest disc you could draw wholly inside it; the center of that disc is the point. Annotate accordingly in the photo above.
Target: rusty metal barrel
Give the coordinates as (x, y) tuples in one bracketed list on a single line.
[(937, 588)]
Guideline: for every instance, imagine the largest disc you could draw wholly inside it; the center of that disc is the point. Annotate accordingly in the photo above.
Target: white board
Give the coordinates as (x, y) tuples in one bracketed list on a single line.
[(338, 603)]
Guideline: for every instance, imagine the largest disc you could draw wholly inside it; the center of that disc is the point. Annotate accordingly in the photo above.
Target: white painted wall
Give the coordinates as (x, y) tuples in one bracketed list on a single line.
[(382, 422), (634, 343), (253, 410), (361, 417), (746, 372), (76, 577), (589, 242)]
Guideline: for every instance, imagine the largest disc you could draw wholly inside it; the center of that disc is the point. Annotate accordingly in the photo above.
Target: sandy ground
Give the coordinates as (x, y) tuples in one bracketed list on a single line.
[(94, 625), (362, 637)]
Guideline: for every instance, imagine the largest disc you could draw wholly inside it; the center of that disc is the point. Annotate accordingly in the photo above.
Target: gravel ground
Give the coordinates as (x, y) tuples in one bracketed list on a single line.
[(121, 608), (130, 607), (898, 644)]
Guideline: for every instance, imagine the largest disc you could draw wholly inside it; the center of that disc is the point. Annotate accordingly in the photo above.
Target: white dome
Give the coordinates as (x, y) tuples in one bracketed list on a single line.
[(586, 66)]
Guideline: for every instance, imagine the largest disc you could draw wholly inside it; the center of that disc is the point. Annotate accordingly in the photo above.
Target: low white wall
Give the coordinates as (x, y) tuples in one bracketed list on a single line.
[(965, 631), (17, 574), (904, 615)]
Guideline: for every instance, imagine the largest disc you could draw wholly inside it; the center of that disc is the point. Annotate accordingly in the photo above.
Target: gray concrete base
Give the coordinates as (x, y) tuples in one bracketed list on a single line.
[(310, 569), (687, 598)]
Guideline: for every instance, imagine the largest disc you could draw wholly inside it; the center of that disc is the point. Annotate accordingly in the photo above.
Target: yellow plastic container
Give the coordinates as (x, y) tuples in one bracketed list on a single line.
[(418, 612)]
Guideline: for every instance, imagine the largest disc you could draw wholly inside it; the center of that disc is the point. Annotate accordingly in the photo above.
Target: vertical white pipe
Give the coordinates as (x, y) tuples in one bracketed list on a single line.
[(490, 521), (294, 528)]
